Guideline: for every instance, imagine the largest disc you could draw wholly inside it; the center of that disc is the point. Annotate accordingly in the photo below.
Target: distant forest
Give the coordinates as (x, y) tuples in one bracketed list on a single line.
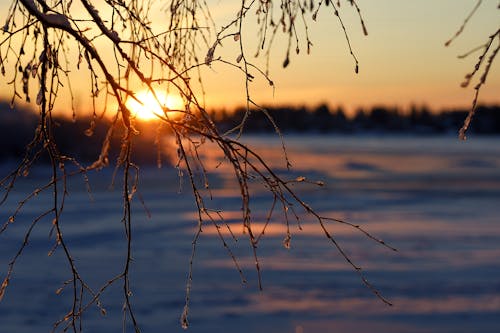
[(322, 119), (76, 139), (17, 127)]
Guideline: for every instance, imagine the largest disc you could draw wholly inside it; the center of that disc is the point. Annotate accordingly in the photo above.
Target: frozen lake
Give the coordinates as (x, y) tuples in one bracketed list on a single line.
[(436, 199)]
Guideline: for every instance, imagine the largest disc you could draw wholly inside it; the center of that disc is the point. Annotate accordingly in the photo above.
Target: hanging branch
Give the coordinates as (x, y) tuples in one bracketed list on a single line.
[(488, 53), (135, 53)]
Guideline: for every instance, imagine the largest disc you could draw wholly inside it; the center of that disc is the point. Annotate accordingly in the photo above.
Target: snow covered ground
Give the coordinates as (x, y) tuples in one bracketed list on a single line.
[(435, 199)]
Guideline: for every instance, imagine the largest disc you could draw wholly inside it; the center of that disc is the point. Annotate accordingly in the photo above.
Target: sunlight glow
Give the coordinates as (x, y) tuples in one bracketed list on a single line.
[(152, 107)]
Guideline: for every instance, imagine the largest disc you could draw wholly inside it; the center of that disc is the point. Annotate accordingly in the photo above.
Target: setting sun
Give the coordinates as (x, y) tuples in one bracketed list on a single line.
[(152, 106)]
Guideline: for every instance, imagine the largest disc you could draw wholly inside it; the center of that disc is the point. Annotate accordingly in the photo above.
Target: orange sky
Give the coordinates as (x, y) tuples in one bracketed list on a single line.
[(402, 61)]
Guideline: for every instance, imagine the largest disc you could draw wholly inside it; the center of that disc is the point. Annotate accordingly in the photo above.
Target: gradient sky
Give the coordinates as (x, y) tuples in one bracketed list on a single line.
[(403, 59)]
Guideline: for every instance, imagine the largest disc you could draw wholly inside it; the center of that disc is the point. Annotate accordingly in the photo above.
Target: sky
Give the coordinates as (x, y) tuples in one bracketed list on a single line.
[(402, 61)]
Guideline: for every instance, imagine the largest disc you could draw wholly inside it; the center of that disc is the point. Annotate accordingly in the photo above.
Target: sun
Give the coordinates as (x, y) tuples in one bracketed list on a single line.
[(152, 106)]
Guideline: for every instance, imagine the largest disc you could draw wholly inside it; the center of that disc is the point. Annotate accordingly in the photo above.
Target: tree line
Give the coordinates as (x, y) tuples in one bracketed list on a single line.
[(73, 137), (81, 138), (378, 119)]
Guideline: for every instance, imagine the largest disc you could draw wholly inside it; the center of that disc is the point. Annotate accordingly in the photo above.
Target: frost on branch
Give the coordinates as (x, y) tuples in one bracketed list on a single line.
[(488, 53)]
